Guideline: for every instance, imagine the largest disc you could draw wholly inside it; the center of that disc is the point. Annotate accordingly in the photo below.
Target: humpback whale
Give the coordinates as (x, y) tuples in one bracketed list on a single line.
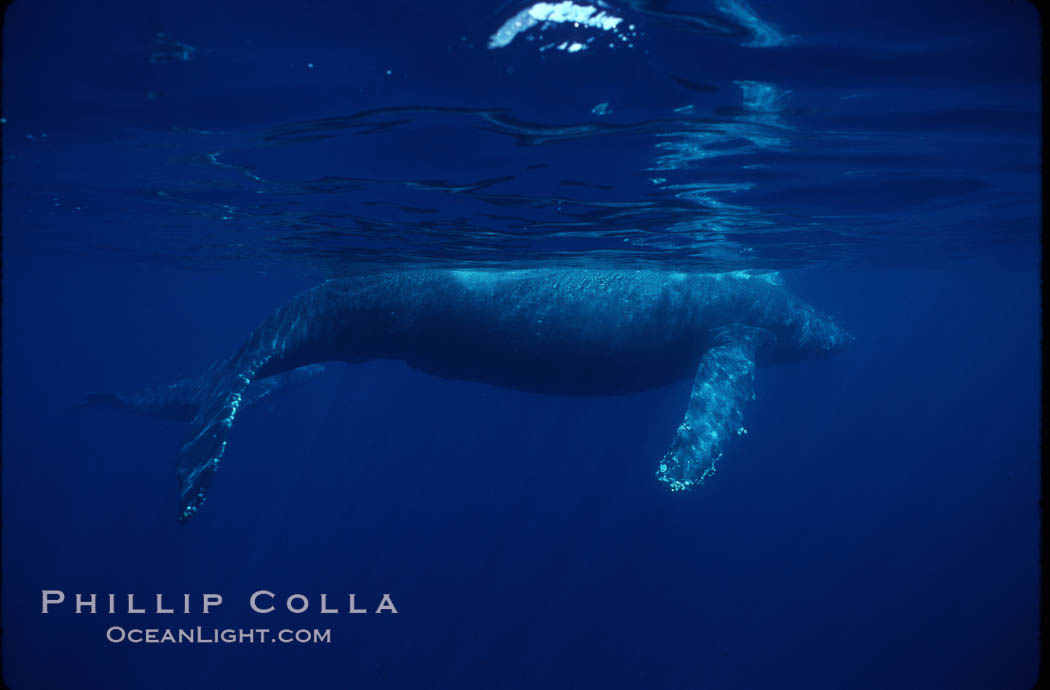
[(555, 331)]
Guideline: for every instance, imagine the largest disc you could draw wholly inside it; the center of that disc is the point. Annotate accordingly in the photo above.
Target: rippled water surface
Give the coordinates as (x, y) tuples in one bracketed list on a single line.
[(698, 134)]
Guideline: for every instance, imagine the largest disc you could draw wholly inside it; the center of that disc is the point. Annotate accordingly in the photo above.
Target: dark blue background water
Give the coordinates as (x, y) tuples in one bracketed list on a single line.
[(876, 528)]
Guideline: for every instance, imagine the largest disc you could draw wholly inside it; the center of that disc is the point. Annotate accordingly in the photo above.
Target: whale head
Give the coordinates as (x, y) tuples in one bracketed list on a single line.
[(806, 333), (823, 336)]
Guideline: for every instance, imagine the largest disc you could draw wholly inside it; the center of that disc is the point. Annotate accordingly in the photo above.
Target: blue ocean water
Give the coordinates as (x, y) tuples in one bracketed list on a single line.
[(173, 172)]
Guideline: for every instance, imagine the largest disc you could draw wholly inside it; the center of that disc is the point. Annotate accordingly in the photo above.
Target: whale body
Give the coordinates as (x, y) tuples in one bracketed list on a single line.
[(554, 331)]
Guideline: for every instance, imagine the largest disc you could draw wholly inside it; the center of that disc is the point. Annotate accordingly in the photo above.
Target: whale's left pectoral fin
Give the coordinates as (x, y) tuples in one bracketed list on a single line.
[(219, 394), (724, 384)]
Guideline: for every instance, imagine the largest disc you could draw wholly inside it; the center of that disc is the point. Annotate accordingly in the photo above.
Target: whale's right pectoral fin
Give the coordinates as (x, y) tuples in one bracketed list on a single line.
[(724, 384), (219, 394)]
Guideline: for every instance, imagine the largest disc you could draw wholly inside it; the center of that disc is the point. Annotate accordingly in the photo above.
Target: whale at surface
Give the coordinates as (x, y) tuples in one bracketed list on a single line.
[(555, 331)]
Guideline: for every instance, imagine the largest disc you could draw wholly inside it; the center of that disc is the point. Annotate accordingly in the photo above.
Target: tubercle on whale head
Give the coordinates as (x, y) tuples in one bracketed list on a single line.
[(828, 337), (809, 333), (804, 332)]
